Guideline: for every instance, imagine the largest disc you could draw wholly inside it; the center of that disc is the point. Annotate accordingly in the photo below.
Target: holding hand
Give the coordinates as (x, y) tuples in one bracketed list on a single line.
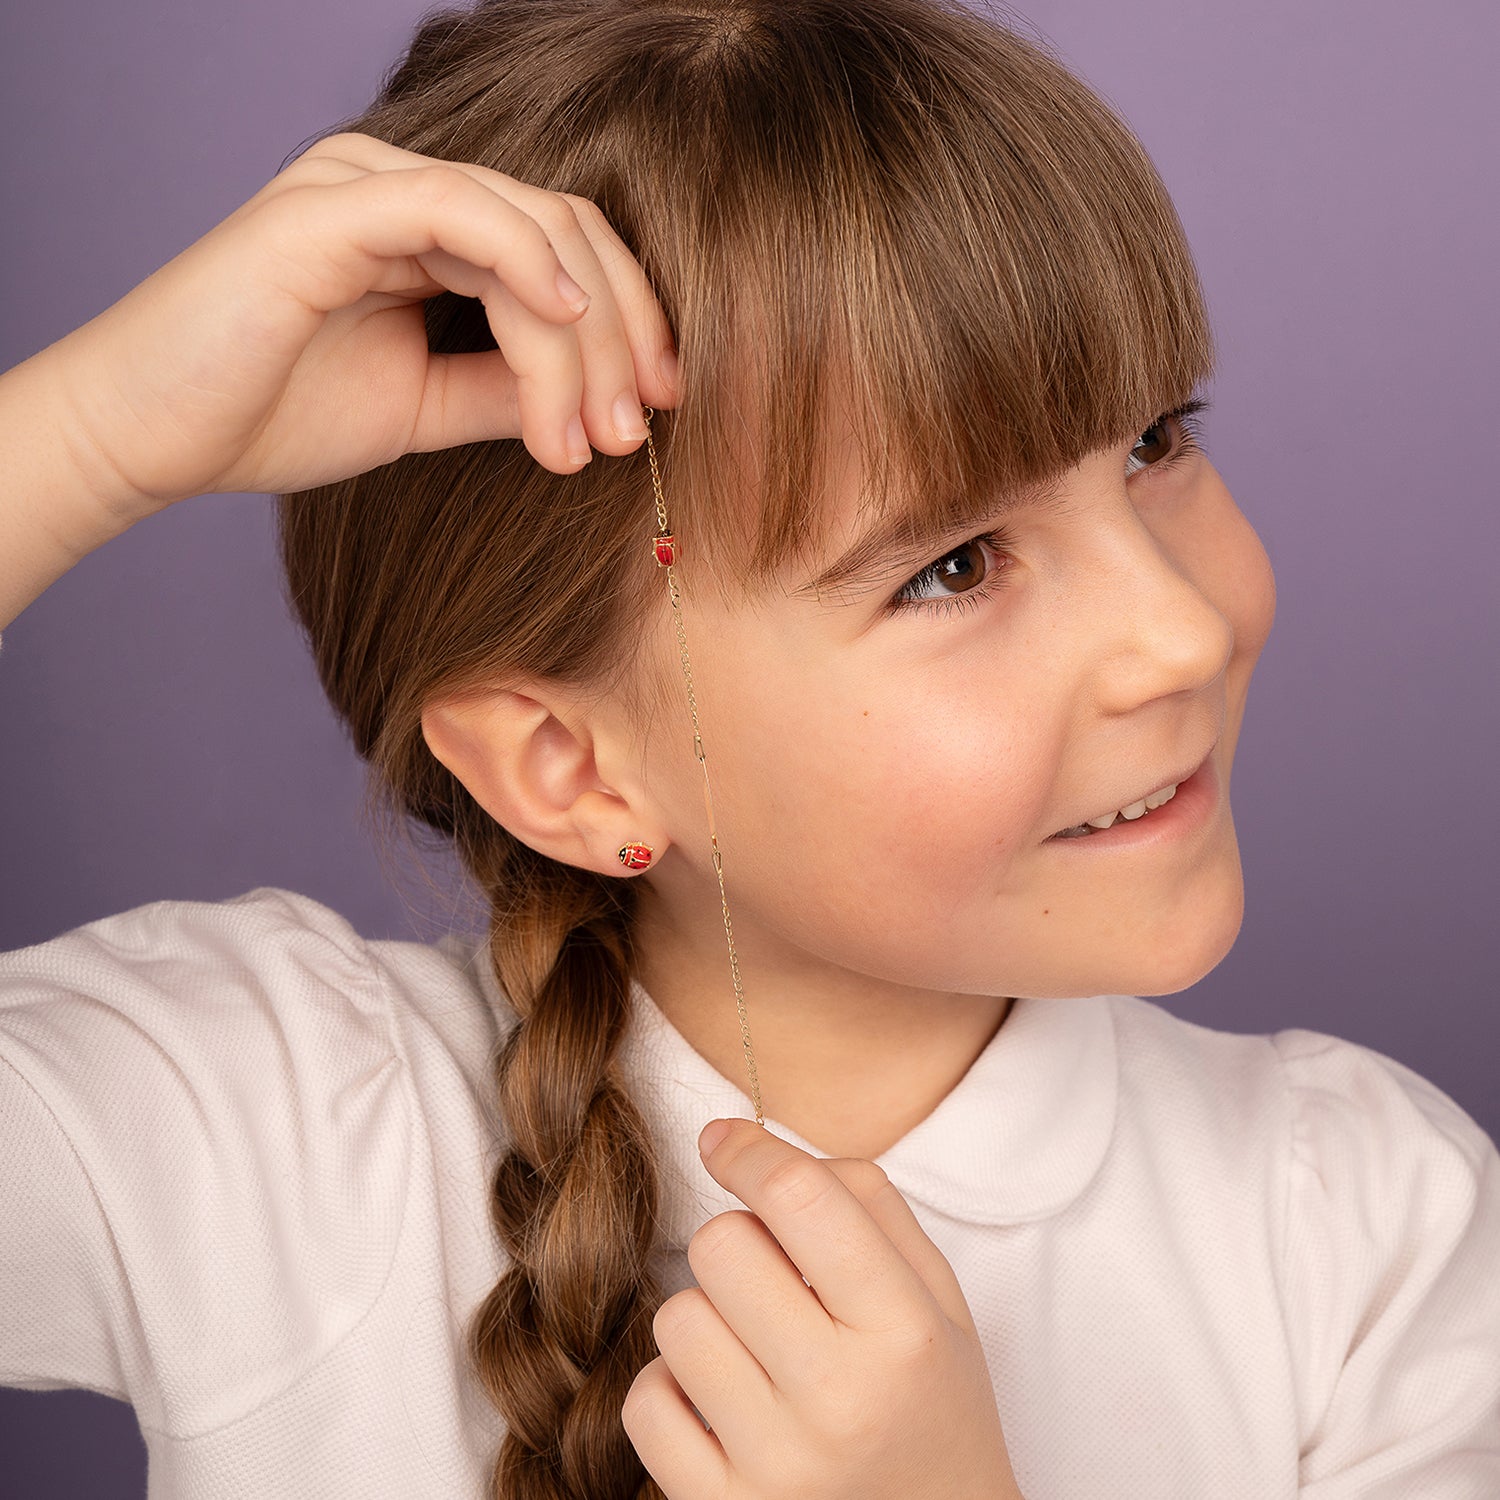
[(865, 1381), (287, 347)]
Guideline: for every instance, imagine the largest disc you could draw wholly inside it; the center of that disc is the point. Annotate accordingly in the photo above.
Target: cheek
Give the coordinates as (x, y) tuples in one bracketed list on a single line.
[(1244, 589), (1253, 598), (1219, 550), (1235, 572), (914, 794)]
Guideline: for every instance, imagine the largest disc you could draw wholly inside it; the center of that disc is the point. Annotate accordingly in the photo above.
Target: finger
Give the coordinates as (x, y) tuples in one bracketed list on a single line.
[(549, 382), (860, 1277), (539, 390), (362, 222), (652, 346), (610, 404), (584, 370), (469, 398), (715, 1371), (679, 1453), (885, 1204), (760, 1296), (478, 396), (651, 342), (610, 344)]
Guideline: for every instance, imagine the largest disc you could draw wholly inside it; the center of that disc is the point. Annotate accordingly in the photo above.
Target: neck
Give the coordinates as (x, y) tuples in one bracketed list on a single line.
[(849, 1062)]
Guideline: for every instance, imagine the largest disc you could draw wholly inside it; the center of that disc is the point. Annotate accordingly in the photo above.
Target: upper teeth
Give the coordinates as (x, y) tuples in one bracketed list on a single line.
[(1136, 809)]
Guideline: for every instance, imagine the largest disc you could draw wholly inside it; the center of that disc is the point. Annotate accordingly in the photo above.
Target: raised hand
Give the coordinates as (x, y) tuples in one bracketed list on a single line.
[(287, 347), (827, 1345)]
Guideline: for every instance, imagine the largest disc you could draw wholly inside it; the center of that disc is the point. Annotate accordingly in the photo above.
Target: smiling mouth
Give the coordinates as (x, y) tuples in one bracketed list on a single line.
[(1143, 807), (1126, 814)]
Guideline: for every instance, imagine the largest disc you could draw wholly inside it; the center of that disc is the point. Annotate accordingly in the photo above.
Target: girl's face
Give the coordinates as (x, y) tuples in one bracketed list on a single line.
[(893, 758)]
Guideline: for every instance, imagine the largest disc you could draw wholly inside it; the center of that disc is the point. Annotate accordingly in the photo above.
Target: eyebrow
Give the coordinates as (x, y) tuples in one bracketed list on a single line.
[(910, 539)]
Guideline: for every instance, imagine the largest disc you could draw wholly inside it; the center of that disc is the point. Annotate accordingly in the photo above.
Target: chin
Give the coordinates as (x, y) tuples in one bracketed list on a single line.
[(1194, 946)]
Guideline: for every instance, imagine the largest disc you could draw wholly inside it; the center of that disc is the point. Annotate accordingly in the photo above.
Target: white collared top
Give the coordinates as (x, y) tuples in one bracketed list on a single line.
[(244, 1165)]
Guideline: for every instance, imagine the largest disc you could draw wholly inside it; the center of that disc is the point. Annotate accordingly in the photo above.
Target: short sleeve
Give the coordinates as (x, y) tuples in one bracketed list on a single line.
[(204, 1140), (1391, 1277)]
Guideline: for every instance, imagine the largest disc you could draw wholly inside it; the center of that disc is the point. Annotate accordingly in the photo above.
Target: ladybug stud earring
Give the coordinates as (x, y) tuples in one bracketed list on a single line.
[(636, 856)]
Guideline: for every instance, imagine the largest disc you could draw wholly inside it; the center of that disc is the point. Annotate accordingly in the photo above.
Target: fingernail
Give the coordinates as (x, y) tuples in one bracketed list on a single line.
[(571, 293), (578, 443), (713, 1133), (629, 423)]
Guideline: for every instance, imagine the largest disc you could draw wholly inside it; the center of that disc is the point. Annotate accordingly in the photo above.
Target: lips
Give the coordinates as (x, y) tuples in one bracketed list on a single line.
[(1127, 814), (1161, 785)]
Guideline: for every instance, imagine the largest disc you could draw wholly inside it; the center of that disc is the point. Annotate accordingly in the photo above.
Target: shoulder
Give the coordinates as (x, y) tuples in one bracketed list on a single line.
[(1378, 1199), (1316, 1083), (201, 1002), (1224, 1082), (251, 941), (1345, 1096), (1389, 1266), (1392, 1188), (217, 977), (1324, 1102), (1321, 1130), (234, 1082)]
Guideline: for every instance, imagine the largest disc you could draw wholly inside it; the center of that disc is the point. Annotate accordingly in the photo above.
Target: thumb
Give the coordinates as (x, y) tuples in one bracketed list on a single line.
[(467, 398)]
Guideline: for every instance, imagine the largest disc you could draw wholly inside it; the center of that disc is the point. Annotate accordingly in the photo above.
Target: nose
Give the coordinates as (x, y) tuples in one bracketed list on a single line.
[(1159, 632)]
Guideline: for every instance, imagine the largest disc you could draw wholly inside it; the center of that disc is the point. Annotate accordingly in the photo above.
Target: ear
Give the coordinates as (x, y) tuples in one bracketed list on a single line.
[(532, 761)]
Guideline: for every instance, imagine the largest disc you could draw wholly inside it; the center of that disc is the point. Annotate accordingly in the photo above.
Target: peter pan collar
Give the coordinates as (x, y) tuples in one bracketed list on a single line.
[(1018, 1137)]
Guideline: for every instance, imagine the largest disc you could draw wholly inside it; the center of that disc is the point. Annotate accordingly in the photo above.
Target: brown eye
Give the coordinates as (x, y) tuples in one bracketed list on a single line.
[(958, 571), (965, 576), (1152, 446)]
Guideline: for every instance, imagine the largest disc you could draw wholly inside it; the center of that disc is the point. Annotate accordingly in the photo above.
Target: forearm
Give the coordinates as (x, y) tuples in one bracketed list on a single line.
[(56, 504)]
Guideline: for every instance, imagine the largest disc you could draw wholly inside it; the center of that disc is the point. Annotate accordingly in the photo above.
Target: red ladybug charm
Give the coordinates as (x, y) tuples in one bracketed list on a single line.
[(636, 856)]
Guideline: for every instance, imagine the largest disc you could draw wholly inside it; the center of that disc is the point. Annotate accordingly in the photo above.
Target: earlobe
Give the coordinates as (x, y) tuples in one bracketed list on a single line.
[(531, 761)]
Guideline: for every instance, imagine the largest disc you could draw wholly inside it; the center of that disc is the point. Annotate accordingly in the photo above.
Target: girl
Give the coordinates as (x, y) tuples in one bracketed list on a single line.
[(856, 720)]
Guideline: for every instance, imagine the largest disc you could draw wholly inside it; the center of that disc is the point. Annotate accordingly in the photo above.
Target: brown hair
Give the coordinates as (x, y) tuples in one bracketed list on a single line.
[(896, 200)]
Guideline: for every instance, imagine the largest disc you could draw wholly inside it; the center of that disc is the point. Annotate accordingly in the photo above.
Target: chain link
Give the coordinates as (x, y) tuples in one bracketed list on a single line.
[(708, 797)]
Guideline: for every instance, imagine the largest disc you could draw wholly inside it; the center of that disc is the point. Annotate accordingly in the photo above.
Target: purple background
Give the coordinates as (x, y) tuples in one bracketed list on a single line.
[(162, 735)]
